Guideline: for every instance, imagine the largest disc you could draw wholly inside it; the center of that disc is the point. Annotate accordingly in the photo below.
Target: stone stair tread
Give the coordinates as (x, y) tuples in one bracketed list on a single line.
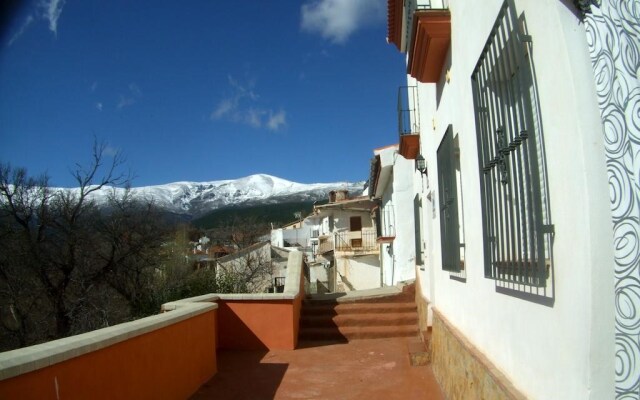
[(350, 308), (364, 315), (354, 332), (359, 319)]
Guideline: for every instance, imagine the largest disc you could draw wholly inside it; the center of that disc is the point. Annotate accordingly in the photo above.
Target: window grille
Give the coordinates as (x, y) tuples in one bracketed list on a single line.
[(516, 221), (448, 202)]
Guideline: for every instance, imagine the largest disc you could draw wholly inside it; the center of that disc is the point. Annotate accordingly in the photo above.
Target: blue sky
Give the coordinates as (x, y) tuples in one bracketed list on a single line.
[(199, 90)]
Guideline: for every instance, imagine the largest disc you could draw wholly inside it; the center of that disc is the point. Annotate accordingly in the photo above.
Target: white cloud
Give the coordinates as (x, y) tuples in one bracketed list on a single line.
[(47, 10), (23, 28), (52, 12), (135, 90), (224, 107), (253, 117), (243, 106), (111, 151), (336, 20), (277, 120), (131, 97), (125, 102), (99, 106)]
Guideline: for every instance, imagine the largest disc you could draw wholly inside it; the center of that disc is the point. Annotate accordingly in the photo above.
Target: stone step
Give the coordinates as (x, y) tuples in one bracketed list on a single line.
[(357, 332), (323, 308), (363, 319)]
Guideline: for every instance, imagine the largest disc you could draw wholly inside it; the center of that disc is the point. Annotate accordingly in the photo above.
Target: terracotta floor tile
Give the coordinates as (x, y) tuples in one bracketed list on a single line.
[(361, 369)]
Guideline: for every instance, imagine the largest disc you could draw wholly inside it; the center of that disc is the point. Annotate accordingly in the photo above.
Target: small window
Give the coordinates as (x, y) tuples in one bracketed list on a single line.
[(355, 224)]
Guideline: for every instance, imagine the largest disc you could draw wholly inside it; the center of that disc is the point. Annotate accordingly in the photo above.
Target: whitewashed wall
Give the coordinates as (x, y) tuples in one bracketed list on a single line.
[(404, 243), (565, 341), (362, 272)]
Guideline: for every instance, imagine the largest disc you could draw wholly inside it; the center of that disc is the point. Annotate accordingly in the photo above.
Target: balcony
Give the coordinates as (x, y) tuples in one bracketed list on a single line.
[(356, 241), (430, 40), (408, 122)]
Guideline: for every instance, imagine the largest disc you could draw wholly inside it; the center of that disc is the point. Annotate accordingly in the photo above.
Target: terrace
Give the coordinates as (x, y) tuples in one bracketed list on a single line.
[(217, 346)]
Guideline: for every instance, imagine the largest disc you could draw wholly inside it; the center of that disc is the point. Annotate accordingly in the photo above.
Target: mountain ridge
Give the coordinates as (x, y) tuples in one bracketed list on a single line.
[(198, 198)]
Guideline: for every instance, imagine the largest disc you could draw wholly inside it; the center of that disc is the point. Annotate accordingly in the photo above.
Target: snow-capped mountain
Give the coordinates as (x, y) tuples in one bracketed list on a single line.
[(197, 198)]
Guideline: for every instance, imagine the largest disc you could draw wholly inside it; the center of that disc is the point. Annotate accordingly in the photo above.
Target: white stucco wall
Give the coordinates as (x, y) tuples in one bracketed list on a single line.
[(566, 344), (404, 245), (362, 272)]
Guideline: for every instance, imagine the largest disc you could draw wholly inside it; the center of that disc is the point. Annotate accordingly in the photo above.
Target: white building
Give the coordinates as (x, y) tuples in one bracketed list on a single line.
[(527, 115), (340, 244), (391, 186)]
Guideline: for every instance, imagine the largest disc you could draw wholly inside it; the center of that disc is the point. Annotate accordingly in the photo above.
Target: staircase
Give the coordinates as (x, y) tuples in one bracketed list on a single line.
[(379, 313)]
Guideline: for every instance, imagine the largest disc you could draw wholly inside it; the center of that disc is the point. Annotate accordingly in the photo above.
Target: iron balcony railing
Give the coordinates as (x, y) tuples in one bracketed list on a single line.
[(408, 119), (431, 4), (364, 240), (411, 6)]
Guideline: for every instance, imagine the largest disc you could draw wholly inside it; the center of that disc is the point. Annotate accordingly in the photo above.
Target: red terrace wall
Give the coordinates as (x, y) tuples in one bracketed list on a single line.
[(258, 324), (169, 363)]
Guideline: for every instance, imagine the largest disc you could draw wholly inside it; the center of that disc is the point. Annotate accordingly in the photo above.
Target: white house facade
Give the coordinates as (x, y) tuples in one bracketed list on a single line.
[(526, 113), (392, 187)]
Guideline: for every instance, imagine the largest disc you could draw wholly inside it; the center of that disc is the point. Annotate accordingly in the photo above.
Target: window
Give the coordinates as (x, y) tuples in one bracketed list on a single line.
[(516, 225), (385, 222), (355, 224), (448, 201)]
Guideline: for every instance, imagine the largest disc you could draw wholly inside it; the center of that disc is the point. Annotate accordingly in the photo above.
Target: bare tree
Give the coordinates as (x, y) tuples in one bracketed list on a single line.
[(247, 271), (62, 258)]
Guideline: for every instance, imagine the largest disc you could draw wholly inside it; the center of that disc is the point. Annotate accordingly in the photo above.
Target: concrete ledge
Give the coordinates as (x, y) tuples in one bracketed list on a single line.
[(28, 359)]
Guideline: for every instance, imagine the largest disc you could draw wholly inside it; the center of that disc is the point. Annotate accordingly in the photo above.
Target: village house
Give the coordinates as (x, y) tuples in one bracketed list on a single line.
[(519, 116)]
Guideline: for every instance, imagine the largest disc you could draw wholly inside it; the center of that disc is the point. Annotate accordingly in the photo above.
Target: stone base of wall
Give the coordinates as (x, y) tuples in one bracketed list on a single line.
[(461, 370), (423, 313)]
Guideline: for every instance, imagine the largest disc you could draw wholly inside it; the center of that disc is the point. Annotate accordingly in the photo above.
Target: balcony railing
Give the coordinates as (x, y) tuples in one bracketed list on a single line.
[(412, 6), (357, 241), (408, 121)]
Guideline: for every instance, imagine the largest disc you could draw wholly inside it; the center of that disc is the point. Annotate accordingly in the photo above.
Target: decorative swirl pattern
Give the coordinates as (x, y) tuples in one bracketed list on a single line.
[(613, 36)]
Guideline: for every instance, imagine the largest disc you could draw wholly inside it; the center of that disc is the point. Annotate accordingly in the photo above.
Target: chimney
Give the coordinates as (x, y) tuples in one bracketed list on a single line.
[(336, 196)]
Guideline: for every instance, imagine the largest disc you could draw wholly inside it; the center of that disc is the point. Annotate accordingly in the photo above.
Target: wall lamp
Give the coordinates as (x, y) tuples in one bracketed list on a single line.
[(421, 164)]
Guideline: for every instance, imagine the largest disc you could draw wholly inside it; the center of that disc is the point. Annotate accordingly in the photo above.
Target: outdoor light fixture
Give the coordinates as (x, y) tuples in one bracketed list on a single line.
[(421, 164)]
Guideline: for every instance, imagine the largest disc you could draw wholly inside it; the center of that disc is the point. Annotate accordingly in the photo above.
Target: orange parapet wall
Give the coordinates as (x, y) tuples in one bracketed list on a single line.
[(169, 360), (263, 321), (258, 324)]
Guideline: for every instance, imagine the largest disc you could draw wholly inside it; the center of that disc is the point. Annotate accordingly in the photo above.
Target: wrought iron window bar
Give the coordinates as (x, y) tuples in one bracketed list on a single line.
[(516, 219)]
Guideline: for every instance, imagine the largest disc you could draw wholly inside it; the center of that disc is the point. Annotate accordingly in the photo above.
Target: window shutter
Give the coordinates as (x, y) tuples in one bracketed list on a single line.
[(417, 215), (448, 202)]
